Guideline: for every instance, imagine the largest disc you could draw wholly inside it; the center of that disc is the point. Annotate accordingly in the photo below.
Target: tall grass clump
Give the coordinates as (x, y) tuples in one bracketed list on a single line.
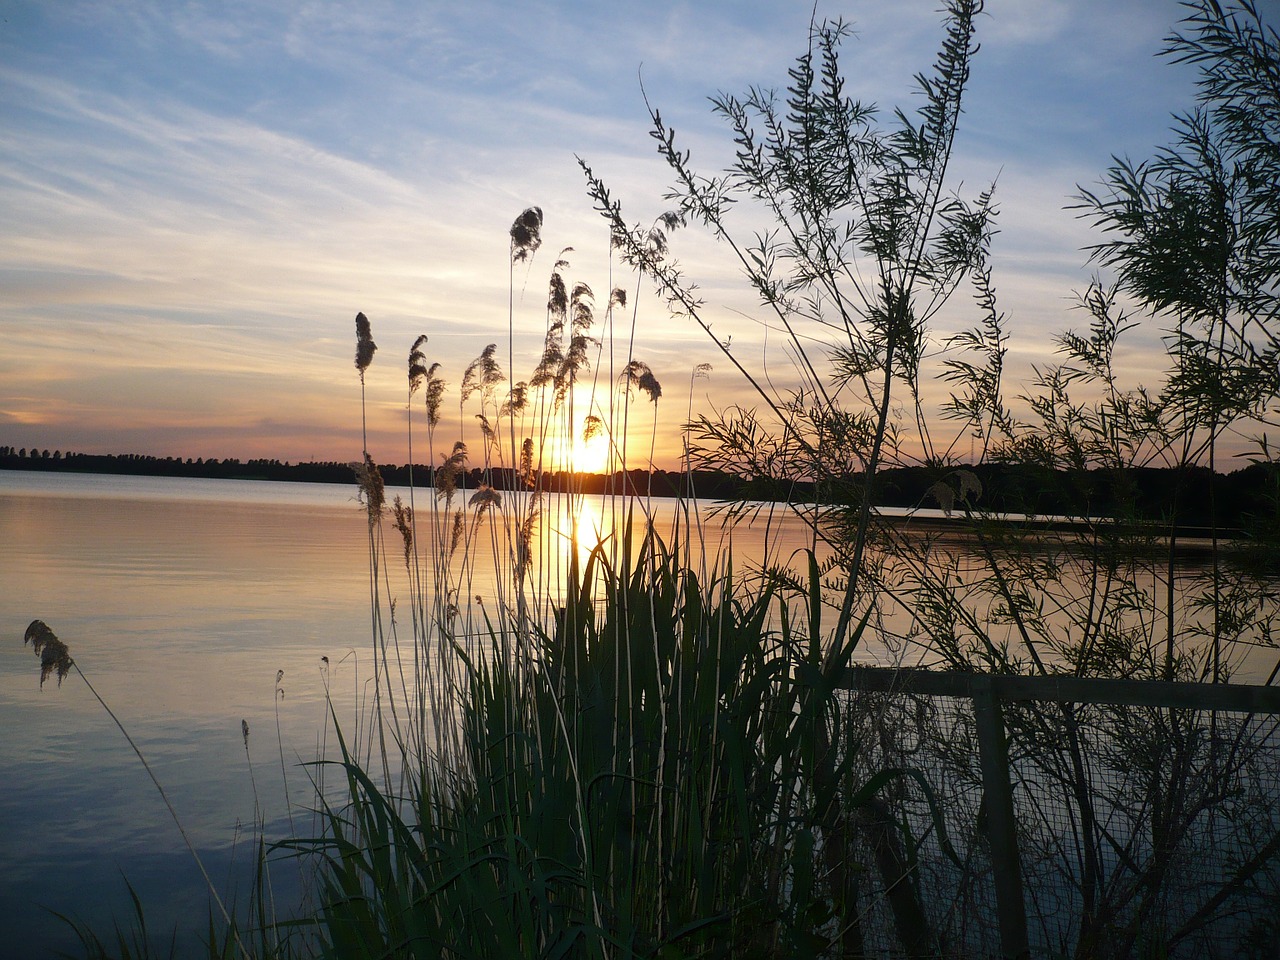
[(584, 745)]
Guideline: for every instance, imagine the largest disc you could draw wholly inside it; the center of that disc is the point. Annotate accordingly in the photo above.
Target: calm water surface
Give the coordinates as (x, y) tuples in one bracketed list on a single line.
[(181, 600)]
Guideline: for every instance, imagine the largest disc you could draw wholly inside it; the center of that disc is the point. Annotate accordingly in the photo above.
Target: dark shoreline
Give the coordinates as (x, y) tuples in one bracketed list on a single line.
[(1195, 502)]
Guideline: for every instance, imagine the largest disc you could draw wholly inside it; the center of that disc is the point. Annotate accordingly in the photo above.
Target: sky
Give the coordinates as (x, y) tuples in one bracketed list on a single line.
[(199, 196)]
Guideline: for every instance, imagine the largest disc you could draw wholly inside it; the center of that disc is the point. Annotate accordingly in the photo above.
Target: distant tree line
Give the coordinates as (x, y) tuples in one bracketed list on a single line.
[(135, 464), (1247, 500), (659, 483)]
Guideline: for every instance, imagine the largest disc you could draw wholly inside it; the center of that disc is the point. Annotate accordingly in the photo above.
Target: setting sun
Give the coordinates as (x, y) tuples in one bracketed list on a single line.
[(589, 451), (587, 448)]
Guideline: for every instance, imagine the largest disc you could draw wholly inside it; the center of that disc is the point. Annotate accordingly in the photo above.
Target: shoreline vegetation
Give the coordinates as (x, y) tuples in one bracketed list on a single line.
[(1245, 502)]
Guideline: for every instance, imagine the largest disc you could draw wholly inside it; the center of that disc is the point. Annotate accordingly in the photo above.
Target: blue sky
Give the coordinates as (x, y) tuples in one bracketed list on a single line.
[(199, 196)]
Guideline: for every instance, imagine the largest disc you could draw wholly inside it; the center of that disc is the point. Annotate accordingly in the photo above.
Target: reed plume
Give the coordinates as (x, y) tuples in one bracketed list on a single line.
[(526, 234), (553, 343), (526, 461), (372, 492), (656, 239), (417, 364), (54, 656), (482, 373), (419, 374), (455, 536), (516, 400), (557, 293), (581, 300), (365, 346), (525, 533), (484, 498), (638, 375), (434, 395), (446, 477), (580, 340), (404, 523)]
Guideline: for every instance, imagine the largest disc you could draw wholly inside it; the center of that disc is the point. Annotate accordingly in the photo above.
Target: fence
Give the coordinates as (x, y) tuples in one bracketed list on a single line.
[(1204, 776)]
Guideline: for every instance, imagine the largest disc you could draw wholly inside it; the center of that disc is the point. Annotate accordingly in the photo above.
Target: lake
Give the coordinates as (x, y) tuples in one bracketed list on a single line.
[(182, 601)]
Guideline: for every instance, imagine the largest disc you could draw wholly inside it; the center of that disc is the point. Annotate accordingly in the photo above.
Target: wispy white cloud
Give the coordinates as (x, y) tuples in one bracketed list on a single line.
[(204, 194)]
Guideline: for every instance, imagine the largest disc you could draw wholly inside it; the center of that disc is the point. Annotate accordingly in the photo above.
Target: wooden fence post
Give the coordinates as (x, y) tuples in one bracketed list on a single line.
[(993, 755)]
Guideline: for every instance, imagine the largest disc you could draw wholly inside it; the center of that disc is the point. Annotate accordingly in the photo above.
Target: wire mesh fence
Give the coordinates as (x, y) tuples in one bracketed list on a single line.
[(1100, 819)]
